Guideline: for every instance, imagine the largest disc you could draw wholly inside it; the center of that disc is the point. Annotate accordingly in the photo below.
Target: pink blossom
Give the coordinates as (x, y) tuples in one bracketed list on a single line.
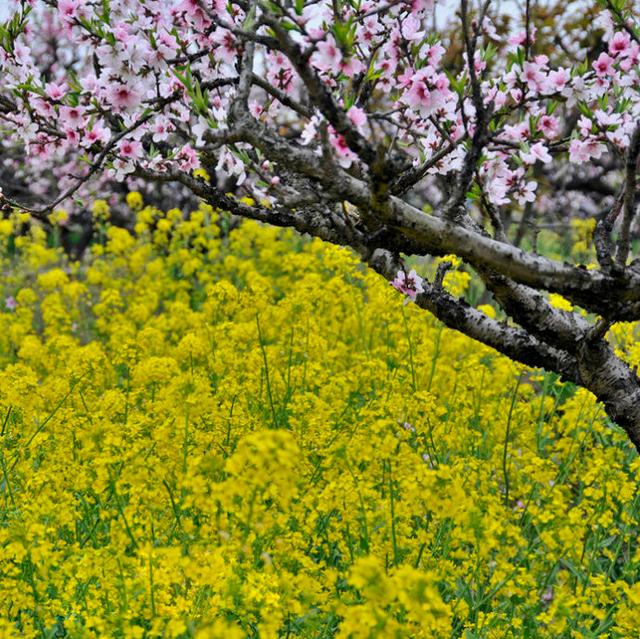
[(498, 179), (10, 303), (411, 29), (603, 66), (357, 116), (520, 38), (517, 132), (120, 169), (516, 95), (549, 126), (538, 152), (427, 100), (68, 9), (131, 149), (604, 21), (125, 78), (72, 117), (479, 64), (368, 30), (56, 90), (328, 57), (585, 126), (188, 158), (351, 66), (619, 44), (605, 119), (558, 79), (122, 96), (345, 155), (225, 48), (167, 44), (43, 108), (121, 32), (632, 57), (256, 109), (42, 148), (408, 283), (230, 165), (489, 29), (309, 131), (581, 151), (526, 193), (497, 191), (72, 138), (163, 126), (97, 133), (619, 138), (420, 96), (532, 75), (279, 71), (420, 7), (194, 13), (434, 54), (406, 77)]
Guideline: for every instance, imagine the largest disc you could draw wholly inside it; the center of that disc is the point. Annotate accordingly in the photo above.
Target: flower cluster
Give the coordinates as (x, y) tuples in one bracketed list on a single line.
[(228, 435)]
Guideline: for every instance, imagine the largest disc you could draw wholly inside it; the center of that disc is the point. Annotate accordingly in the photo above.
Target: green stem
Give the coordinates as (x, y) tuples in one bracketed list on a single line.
[(408, 333), (505, 468), (266, 372)]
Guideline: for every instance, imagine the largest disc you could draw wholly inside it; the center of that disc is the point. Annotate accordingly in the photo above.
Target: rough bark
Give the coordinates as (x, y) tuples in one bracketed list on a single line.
[(614, 383)]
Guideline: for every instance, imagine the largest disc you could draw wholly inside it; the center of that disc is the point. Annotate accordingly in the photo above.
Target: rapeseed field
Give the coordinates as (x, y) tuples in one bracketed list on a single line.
[(225, 432)]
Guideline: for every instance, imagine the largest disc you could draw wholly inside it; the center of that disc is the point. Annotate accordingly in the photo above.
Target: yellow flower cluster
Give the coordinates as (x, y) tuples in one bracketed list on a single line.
[(228, 435)]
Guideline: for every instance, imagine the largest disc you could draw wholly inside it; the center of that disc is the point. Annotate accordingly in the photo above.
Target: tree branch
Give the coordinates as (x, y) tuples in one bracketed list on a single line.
[(629, 201)]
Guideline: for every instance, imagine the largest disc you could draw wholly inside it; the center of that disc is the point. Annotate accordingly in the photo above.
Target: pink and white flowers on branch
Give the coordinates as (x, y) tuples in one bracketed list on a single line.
[(410, 284), (129, 87)]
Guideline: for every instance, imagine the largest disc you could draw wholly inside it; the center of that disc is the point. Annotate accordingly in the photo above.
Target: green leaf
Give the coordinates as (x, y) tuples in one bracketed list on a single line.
[(344, 33), (489, 53), (584, 109), (520, 56), (200, 99)]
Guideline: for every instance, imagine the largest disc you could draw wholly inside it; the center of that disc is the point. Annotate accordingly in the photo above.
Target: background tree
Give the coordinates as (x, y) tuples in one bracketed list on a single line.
[(381, 126)]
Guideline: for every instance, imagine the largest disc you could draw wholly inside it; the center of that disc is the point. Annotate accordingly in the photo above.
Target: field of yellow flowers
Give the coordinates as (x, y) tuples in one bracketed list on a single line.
[(240, 434)]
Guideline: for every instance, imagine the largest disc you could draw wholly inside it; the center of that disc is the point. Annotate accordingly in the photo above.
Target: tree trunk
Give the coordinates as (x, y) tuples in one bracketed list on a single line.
[(614, 383)]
